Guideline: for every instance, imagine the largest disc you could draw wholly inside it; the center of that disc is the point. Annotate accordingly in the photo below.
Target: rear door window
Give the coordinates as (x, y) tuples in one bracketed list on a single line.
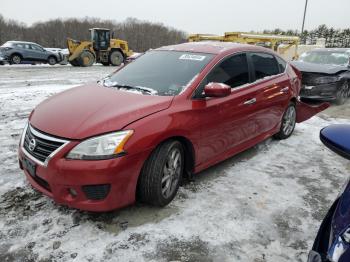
[(37, 48), (265, 65)]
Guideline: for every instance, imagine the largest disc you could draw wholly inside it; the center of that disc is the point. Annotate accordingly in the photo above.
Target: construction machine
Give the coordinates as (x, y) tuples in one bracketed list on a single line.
[(270, 41), (101, 49)]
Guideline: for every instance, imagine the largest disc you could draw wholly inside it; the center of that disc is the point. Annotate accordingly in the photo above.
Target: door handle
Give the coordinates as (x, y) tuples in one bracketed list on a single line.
[(250, 101), (285, 89)]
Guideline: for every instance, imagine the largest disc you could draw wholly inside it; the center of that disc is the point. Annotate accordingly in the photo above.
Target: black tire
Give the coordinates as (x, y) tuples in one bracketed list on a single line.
[(74, 62), (151, 188), (52, 60), (288, 122), (116, 58), (86, 59), (105, 63), (15, 59), (342, 94)]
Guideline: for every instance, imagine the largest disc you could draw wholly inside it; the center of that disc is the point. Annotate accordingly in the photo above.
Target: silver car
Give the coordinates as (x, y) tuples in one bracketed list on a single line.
[(17, 52)]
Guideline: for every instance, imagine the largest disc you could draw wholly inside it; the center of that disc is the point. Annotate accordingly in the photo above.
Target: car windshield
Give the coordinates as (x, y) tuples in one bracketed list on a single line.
[(164, 73), (325, 57), (7, 44)]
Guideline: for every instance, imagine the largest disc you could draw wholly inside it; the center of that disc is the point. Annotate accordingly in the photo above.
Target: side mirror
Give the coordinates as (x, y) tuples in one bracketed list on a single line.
[(217, 90), (336, 138)]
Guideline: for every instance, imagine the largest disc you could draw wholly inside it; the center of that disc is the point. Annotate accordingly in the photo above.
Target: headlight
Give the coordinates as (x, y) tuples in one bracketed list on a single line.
[(326, 79), (101, 147)]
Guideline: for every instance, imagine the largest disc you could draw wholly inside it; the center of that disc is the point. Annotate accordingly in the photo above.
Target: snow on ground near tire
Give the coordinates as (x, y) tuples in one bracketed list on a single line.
[(262, 205)]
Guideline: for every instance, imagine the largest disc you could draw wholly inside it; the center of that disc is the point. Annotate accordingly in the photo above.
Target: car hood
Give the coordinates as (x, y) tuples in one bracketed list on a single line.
[(90, 110), (319, 68)]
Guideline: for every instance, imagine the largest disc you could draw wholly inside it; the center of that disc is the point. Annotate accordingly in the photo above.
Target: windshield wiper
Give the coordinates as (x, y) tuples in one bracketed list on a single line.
[(108, 83), (140, 88)]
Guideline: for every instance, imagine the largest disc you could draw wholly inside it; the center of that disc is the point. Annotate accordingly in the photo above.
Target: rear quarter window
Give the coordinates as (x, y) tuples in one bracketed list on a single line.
[(264, 65), (281, 64)]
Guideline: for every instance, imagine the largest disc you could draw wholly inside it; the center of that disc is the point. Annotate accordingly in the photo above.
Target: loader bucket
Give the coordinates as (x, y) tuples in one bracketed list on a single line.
[(306, 111)]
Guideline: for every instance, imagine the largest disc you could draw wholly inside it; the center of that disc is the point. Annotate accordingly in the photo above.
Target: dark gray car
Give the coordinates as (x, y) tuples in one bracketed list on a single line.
[(17, 52), (325, 74)]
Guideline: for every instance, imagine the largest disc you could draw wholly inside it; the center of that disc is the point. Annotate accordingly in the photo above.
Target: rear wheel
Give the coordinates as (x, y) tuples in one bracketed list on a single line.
[(15, 59), (52, 60), (288, 122), (342, 94), (86, 58), (116, 58), (161, 174)]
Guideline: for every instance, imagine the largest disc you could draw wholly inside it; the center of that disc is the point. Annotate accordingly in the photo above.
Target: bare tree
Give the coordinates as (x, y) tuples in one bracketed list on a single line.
[(141, 35)]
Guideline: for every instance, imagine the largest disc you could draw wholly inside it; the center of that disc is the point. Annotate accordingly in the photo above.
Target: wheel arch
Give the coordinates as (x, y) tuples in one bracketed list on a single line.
[(189, 157), (53, 57), (188, 148), (17, 53), (294, 100)]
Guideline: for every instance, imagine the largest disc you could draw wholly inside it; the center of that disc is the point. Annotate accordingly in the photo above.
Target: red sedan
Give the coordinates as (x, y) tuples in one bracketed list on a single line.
[(171, 113)]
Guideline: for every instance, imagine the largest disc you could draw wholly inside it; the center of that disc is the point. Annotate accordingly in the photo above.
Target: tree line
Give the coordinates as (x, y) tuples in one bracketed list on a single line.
[(141, 35), (333, 37)]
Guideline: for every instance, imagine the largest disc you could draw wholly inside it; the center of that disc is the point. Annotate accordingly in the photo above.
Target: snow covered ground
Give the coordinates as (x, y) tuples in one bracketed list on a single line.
[(262, 205)]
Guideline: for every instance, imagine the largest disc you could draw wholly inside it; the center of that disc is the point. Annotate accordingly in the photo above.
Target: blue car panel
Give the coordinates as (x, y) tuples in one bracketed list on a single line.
[(332, 243)]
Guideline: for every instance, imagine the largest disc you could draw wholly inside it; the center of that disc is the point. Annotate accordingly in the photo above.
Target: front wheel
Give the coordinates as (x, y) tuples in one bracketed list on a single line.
[(342, 94), (161, 174), (15, 59), (288, 122), (86, 58), (52, 60)]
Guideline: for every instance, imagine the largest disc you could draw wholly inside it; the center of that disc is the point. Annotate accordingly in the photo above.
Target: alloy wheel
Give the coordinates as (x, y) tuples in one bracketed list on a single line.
[(289, 120), (16, 59), (171, 172)]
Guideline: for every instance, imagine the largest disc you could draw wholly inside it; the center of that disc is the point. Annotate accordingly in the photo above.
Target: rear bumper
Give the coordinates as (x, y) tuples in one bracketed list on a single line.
[(325, 92), (99, 185)]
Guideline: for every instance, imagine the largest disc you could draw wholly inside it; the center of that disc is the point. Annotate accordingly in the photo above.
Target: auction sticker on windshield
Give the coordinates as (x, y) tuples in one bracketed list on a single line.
[(192, 57)]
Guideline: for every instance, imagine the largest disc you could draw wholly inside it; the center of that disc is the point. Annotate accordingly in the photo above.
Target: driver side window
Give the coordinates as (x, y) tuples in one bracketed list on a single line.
[(233, 71)]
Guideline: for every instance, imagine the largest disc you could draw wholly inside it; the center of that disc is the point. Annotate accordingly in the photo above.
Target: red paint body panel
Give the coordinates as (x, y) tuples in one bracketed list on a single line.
[(216, 128), (90, 110), (305, 111)]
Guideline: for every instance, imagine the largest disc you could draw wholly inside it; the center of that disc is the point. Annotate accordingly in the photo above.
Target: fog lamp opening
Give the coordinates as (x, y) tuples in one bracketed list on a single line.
[(73, 192)]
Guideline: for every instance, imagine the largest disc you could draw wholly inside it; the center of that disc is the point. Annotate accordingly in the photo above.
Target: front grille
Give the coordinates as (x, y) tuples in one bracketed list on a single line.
[(40, 146), (311, 78), (96, 192), (306, 92)]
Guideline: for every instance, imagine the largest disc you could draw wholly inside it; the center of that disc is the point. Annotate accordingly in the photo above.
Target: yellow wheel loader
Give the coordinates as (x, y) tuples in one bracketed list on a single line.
[(101, 49)]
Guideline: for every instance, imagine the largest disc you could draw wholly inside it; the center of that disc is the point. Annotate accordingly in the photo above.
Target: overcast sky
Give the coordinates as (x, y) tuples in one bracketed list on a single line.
[(196, 16)]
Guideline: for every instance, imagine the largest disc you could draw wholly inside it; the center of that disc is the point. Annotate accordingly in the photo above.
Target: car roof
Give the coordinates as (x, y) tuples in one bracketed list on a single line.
[(21, 42), (212, 47)]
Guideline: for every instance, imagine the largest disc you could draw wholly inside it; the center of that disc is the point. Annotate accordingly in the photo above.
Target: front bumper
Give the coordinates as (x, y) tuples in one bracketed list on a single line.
[(97, 186), (324, 92), (3, 59)]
